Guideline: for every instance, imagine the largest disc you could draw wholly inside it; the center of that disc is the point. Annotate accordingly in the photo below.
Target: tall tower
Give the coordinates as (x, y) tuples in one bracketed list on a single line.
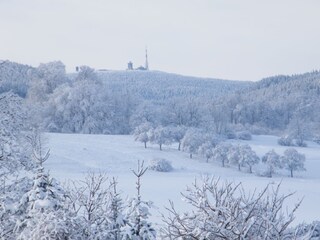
[(146, 64)]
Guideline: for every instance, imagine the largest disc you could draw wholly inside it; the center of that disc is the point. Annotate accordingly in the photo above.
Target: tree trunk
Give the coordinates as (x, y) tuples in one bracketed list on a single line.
[(239, 167), (190, 155), (250, 169), (207, 159), (222, 162), (291, 173), (145, 144), (179, 146), (160, 147), (270, 172)]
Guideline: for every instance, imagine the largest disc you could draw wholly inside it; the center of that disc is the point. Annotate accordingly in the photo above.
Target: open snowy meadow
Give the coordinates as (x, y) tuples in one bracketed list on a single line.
[(73, 155)]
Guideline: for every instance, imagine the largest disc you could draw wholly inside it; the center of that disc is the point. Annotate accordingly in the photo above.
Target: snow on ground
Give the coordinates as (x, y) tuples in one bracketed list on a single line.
[(72, 155)]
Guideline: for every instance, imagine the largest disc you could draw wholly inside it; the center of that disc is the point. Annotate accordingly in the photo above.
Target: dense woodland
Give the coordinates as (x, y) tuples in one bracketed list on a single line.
[(151, 106)]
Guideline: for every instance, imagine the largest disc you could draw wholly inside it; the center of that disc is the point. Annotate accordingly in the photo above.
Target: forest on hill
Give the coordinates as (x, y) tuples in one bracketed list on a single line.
[(116, 102)]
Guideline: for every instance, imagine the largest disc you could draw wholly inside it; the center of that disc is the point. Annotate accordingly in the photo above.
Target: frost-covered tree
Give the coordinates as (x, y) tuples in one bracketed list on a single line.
[(91, 202), (160, 135), (14, 153), (221, 153), (10, 213), (98, 207), (247, 157), (14, 77), (146, 111), (224, 211), (206, 150), (292, 160), (273, 162), (138, 226), (44, 203), (191, 141), (82, 107), (234, 157), (299, 130), (177, 133), (45, 79), (86, 73), (115, 216), (142, 133)]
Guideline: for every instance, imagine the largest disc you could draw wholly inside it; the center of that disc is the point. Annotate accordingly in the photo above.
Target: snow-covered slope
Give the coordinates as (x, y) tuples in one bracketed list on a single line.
[(72, 155), (156, 85)]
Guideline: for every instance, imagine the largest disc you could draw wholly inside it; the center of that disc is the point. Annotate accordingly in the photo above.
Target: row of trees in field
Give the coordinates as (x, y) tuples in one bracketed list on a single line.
[(213, 148)]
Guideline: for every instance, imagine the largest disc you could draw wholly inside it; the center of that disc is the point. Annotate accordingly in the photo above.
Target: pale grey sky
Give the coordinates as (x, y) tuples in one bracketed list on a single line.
[(230, 39)]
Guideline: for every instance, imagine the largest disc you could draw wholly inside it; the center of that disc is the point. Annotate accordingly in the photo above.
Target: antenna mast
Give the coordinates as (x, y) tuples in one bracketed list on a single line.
[(147, 64)]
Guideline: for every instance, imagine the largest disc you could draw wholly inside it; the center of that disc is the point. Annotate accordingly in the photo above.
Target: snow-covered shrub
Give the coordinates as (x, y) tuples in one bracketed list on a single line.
[(11, 211), (244, 135), (258, 130), (99, 206), (285, 141), (307, 231), (160, 165), (231, 135), (224, 211), (300, 142), (316, 139)]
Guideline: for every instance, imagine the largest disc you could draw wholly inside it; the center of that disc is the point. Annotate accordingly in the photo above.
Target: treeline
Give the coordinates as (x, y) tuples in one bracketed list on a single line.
[(114, 102), (214, 148)]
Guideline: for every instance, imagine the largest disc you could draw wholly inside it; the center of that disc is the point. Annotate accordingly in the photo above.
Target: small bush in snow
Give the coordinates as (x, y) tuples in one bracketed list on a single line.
[(245, 135), (160, 165), (300, 143), (285, 141), (316, 139), (231, 135)]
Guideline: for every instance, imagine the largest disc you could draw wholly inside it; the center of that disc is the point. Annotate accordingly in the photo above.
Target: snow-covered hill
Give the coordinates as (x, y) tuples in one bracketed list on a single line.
[(73, 155), (156, 85)]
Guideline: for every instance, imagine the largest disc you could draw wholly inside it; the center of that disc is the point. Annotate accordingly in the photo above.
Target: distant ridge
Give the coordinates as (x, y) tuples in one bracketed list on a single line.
[(157, 85)]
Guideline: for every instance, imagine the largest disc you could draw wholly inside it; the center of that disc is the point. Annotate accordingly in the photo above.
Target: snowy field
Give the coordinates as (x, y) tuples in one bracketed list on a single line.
[(72, 155)]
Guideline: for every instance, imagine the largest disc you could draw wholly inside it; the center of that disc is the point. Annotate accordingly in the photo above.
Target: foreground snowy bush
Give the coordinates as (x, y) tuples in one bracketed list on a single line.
[(160, 165), (224, 211)]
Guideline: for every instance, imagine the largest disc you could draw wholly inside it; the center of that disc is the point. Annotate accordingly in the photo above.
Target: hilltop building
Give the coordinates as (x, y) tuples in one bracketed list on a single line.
[(142, 68), (130, 66)]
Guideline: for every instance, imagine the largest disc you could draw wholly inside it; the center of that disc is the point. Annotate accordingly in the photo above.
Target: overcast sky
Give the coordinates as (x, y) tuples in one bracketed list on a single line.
[(229, 39)]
